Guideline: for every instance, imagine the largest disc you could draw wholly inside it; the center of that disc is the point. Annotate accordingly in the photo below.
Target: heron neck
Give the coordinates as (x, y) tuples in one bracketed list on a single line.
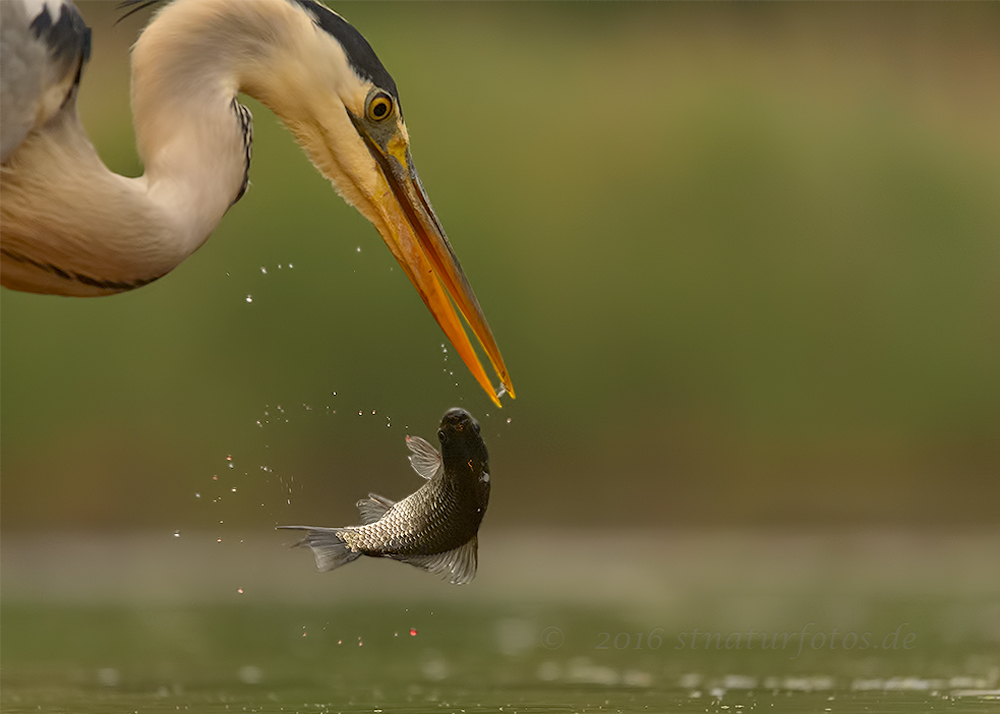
[(192, 135)]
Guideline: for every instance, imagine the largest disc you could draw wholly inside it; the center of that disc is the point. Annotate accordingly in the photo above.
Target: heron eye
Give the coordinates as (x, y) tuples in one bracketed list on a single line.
[(380, 107)]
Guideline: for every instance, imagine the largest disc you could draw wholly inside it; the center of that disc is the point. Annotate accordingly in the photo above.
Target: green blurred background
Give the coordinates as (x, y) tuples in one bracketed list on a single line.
[(742, 261)]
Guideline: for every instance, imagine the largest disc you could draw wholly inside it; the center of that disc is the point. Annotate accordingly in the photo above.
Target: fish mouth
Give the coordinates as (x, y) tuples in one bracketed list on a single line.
[(458, 419), (414, 235)]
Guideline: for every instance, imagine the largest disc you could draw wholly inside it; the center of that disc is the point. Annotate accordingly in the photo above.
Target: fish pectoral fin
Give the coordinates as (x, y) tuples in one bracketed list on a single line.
[(425, 459), (458, 565), (327, 546), (373, 508)]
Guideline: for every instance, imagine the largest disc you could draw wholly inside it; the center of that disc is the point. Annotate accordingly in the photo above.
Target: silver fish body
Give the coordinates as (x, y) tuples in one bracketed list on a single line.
[(434, 528)]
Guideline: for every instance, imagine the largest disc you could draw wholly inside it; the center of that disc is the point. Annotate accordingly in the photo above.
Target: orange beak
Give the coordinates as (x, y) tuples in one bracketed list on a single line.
[(414, 235)]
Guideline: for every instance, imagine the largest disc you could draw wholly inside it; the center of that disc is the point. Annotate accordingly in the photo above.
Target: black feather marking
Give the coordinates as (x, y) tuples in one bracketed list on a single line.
[(245, 119), (359, 53), (67, 38), (136, 6), (118, 285)]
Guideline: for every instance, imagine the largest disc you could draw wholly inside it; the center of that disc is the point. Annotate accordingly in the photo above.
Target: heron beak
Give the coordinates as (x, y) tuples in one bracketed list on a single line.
[(414, 234)]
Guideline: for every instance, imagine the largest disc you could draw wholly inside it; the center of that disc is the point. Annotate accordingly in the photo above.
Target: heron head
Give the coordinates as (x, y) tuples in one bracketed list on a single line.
[(338, 99)]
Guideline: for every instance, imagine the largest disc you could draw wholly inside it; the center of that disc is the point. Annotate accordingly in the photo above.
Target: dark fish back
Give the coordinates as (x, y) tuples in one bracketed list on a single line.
[(441, 516)]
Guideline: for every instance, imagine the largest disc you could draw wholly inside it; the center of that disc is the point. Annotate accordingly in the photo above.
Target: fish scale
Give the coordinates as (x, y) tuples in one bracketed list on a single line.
[(434, 528)]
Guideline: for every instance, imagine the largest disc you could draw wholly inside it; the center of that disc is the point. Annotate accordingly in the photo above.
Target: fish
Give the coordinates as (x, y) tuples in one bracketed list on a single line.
[(436, 528)]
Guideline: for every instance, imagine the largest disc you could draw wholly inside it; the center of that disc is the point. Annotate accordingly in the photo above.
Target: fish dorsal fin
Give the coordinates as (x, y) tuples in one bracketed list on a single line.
[(373, 508), (425, 459), (458, 565)]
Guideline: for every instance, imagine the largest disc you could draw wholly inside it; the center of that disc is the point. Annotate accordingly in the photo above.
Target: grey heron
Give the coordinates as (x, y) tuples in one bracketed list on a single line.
[(70, 226)]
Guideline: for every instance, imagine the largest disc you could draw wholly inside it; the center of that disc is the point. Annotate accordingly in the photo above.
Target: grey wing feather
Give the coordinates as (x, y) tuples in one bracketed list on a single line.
[(327, 547), (373, 508), (425, 459), (458, 565), (43, 47)]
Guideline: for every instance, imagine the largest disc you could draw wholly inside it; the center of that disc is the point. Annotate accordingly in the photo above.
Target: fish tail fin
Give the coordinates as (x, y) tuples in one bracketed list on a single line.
[(327, 546)]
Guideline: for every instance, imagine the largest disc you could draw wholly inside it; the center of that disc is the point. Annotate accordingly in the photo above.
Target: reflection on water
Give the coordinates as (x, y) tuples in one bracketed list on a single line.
[(675, 622)]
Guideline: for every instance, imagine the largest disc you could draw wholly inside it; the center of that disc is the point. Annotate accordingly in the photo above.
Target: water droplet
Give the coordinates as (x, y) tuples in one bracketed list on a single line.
[(359, 248), (290, 266), (218, 540), (508, 420), (413, 632), (264, 270), (197, 495), (249, 298), (239, 590), (177, 534), (234, 490), (215, 478)]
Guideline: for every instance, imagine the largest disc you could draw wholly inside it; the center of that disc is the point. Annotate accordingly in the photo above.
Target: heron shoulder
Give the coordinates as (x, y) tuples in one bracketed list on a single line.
[(61, 28), (43, 48)]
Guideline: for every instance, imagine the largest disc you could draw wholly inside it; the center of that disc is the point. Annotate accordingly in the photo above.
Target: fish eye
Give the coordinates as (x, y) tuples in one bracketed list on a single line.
[(380, 107), (441, 435)]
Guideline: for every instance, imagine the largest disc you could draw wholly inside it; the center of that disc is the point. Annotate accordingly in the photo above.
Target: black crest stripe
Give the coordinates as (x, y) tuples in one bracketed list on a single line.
[(359, 53)]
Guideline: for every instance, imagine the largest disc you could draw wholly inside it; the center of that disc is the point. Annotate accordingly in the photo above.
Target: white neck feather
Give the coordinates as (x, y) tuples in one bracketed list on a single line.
[(108, 232)]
